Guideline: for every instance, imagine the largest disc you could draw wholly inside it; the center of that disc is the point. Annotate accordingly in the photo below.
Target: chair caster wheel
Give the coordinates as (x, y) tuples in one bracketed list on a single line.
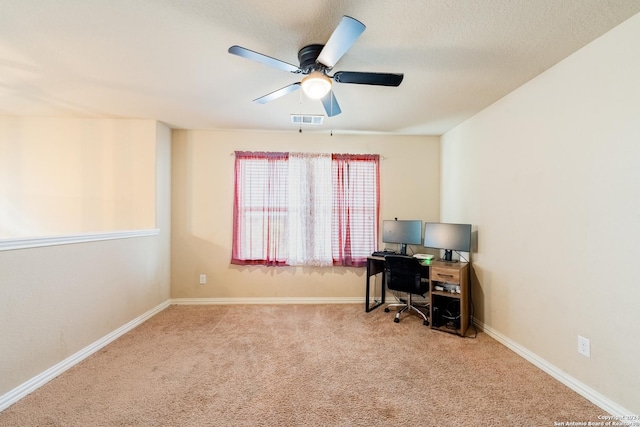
[(425, 323), (396, 320), (386, 309)]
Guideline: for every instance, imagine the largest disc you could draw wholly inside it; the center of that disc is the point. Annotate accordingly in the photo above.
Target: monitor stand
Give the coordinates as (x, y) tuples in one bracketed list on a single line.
[(403, 249), (448, 256)]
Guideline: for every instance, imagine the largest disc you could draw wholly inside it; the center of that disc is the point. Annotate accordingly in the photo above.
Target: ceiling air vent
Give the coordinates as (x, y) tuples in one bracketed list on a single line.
[(307, 119)]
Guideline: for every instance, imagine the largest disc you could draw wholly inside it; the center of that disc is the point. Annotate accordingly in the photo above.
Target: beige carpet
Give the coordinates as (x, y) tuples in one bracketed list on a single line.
[(298, 365)]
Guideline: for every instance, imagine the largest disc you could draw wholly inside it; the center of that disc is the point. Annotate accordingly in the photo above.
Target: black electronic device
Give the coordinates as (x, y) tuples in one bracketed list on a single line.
[(436, 320), (445, 312), (402, 232), (448, 237)]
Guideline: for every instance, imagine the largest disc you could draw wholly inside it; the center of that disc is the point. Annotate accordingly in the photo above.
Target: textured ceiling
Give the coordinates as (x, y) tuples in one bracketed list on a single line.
[(167, 59)]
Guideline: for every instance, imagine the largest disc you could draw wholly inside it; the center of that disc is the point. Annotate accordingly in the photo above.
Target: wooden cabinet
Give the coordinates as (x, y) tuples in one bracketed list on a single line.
[(449, 296)]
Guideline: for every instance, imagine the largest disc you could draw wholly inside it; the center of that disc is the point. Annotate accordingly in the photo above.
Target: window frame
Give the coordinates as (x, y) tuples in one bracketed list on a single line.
[(342, 250)]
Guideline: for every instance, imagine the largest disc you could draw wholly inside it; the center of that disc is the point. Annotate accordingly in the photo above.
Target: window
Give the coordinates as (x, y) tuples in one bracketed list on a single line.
[(305, 209)]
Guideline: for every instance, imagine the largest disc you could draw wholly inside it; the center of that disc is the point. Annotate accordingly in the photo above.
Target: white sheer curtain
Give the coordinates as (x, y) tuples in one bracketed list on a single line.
[(310, 209)]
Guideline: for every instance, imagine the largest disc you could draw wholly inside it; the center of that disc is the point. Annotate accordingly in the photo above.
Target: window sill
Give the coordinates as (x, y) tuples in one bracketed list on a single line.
[(36, 242)]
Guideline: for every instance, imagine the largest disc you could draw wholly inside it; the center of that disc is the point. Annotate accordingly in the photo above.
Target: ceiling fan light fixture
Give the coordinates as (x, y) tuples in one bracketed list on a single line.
[(316, 85)]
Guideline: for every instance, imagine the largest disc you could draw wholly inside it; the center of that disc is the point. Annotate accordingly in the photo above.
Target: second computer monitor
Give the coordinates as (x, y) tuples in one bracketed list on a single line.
[(449, 237)]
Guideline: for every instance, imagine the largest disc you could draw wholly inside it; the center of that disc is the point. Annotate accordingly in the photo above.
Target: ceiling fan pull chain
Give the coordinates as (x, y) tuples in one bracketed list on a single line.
[(331, 118), (300, 103)]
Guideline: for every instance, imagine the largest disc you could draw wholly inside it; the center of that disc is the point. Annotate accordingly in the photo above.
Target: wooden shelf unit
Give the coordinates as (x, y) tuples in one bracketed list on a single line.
[(449, 307)]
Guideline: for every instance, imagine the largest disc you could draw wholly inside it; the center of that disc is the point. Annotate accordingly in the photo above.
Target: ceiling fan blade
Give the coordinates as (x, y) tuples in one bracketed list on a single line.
[(264, 59), (330, 104), (277, 94), (343, 37), (378, 79)]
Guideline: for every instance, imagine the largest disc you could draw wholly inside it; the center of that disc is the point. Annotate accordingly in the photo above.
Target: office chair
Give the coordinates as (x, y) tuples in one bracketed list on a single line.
[(402, 273)]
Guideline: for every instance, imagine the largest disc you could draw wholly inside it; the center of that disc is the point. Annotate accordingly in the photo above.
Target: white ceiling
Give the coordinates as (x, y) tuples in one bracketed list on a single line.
[(167, 59)]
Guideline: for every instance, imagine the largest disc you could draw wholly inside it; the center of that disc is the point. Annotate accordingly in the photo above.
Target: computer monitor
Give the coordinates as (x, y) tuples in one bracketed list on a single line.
[(402, 232), (449, 237)]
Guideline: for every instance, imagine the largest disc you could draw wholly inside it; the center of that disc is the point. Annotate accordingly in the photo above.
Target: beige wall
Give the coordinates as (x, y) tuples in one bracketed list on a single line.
[(202, 209), (57, 300), (549, 176), (73, 176)]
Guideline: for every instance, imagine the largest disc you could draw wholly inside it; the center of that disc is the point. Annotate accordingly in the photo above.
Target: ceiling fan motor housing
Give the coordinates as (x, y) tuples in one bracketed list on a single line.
[(307, 57)]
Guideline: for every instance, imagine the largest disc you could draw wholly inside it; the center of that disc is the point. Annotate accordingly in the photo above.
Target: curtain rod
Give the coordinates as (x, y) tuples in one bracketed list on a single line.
[(233, 153)]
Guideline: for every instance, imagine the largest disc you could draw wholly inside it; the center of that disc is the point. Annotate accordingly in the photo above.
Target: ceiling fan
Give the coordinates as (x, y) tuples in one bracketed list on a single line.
[(316, 61)]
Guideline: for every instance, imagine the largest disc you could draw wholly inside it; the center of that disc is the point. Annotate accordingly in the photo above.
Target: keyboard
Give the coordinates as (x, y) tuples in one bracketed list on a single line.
[(384, 253)]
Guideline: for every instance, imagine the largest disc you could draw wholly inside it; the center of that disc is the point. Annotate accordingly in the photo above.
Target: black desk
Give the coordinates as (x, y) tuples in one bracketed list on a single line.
[(375, 265)]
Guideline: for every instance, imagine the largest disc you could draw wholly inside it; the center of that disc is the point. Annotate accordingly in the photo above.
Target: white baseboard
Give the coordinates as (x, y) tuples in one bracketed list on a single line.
[(41, 379), (269, 300), (582, 389)]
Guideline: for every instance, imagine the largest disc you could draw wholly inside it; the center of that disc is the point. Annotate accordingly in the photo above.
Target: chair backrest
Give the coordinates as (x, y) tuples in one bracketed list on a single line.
[(403, 273)]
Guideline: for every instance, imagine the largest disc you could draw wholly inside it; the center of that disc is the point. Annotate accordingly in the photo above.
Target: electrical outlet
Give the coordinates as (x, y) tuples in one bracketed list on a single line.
[(203, 279), (584, 346)]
